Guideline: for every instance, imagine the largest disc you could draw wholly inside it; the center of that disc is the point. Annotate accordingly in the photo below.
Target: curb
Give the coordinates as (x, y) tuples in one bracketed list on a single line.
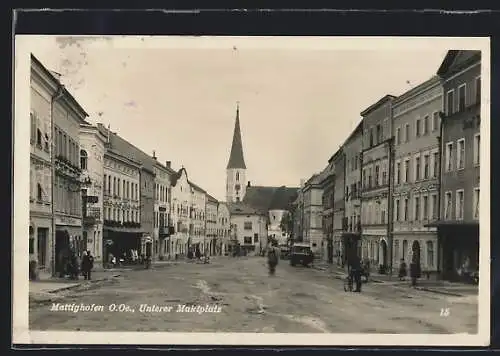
[(92, 281), (439, 291)]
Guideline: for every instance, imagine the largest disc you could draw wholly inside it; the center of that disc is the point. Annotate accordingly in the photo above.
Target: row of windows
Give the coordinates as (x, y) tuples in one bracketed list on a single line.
[(375, 178), (39, 134), (458, 214), (423, 127), (455, 159), (66, 147), (66, 200), (161, 219), (425, 166), (353, 163), (457, 101), (371, 251), (423, 207), (374, 213), (248, 239), (161, 193), (122, 215), (114, 186)]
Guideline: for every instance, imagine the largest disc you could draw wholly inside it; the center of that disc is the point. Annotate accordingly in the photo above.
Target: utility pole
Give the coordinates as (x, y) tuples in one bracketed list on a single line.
[(59, 93)]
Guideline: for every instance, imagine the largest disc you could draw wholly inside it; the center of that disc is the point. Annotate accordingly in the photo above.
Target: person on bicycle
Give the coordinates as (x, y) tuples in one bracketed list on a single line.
[(355, 272)]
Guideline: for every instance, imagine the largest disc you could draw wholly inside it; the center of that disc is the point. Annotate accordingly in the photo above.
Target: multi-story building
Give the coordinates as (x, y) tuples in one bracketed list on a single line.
[(352, 149), (44, 89), (180, 212), (377, 149), (211, 224), (67, 117), (458, 228), (236, 168), (223, 228), (313, 211), (416, 170), (197, 228), (92, 149), (298, 214), (340, 241), (328, 197), (274, 228), (162, 221), (249, 227), (122, 231)]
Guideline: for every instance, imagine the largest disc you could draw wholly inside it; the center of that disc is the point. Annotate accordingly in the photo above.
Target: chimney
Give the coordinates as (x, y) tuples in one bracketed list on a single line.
[(154, 155), (248, 184), (168, 163)]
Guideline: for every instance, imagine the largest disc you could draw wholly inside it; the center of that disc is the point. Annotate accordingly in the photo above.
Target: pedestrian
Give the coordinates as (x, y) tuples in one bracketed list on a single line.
[(198, 253), (87, 264), (402, 270), (355, 271), (414, 272), (272, 259)]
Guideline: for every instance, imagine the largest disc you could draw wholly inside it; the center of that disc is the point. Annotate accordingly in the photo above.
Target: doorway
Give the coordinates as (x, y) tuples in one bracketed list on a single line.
[(415, 249), (383, 253), (42, 234)]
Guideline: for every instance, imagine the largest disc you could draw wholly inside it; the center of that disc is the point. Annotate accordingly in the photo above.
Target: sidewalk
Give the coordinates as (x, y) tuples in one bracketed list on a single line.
[(433, 286)]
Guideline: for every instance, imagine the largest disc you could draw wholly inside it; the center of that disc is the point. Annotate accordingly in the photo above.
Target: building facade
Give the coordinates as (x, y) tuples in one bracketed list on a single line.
[(274, 229), (458, 226), (249, 227), (328, 198), (416, 174), (211, 225), (43, 88), (223, 227), (313, 211), (352, 148), (197, 230), (122, 230), (180, 212), (236, 168), (162, 220), (92, 150), (340, 241), (377, 151)]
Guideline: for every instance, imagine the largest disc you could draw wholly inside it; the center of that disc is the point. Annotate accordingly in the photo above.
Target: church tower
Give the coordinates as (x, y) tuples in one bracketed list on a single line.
[(236, 168)]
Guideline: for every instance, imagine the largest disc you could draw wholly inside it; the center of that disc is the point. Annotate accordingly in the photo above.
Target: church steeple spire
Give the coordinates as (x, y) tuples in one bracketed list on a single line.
[(236, 160)]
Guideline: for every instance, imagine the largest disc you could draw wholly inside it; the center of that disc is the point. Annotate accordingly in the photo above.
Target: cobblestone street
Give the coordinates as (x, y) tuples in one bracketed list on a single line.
[(294, 300)]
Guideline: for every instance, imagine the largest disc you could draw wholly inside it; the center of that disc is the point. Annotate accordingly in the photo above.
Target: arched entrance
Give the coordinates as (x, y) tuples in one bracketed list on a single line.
[(415, 249), (383, 253)]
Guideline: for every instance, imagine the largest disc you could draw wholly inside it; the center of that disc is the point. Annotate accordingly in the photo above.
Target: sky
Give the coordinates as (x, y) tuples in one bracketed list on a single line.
[(297, 104)]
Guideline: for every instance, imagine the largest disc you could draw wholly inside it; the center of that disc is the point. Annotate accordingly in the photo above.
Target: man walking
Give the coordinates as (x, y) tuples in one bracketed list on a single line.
[(87, 265)]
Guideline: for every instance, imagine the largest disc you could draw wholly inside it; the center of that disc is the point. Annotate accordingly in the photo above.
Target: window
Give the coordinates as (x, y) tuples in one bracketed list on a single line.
[(447, 206), (396, 250), (39, 192), (405, 249), (478, 90), (417, 128), (460, 205), (450, 102), (364, 178), (449, 156), (417, 168), (430, 254), (407, 133), (247, 239), (405, 209), (435, 121), (426, 166), (434, 207), (461, 98), (371, 137), (83, 159), (407, 170), (425, 207), (398, 172), (476, 203), (255, 238), (417, 209), (460, 153), (398, 136), (435, 164), (477, 149), (382, 216), (247, 225), (39, 140), (379, 134), (396, 208), (369, 177), (384, 175), (237, 176), (33, 128), (377, 173), (425, 129)]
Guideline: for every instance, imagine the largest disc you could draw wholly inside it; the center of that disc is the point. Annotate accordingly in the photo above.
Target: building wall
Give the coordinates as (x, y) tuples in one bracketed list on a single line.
[(274, 227), (313, 221), (198, 213), (236, 184), (417, 188), (211, 225), (92, 164), (352, 150), (181, 202), (162, 188), (254, 234), (147, 184), (223, 226), (40, 249)]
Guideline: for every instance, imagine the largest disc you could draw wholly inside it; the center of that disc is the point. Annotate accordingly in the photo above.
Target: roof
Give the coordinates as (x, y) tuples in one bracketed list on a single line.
[(379, 103), (455, 57), (421, 87), (211, 199), (270, 198), (175, 177), (357, 130), (236, 159), (243, 209), (196, 187)]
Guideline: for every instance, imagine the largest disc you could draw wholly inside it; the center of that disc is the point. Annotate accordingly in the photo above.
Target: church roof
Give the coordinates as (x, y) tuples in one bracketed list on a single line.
[(236, 159), (270, 198)]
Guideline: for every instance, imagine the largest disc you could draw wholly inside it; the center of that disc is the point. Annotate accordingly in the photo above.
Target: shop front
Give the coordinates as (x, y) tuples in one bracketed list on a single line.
[(69, 240), (121, 244), (40, 233)]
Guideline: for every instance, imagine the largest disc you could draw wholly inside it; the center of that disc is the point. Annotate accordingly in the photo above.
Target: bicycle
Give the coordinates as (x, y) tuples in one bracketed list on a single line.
[(348, 283)]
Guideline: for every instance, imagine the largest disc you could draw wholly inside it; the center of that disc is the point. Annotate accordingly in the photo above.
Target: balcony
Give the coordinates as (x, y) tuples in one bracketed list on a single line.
[(126, 226)]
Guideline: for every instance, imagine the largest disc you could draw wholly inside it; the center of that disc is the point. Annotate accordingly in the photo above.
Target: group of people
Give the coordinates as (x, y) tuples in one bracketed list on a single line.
[(73, 265)]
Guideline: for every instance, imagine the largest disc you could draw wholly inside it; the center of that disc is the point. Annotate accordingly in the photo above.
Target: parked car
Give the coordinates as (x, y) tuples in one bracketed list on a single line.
[(301, 253)]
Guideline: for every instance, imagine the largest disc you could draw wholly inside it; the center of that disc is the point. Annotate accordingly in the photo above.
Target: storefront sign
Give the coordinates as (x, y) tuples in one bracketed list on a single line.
[(67, 220), (374, 232)]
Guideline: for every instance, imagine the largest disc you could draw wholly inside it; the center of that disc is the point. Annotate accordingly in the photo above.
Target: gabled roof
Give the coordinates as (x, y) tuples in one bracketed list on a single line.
[(270, 198), (196, 187), (244, 209), (177, 175), (429, 83), (457, 58), (379, 103), (212, 199), (236, 159)]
